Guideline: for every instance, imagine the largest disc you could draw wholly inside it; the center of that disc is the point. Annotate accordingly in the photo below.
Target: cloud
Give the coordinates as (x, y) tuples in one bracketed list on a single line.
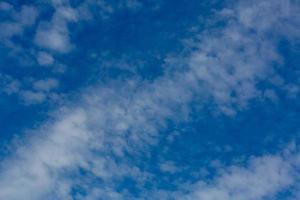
[(41, 91), (46, 84), (36, 91), (53, 39), (133, 4), (92, 144), (37, 174), (95, 136), (169, 167), (262, 178), (9, 85), (5, 6), (31, 97), (17, 22), (82, 138), (54, 35), (44, 58), (93, 140), (230, 61)]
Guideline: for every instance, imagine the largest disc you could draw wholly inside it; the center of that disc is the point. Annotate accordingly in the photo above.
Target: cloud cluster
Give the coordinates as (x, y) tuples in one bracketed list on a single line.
[(17, 22), (30, 91), (46, 27), (263, 178), (89, 148), (230, 62)]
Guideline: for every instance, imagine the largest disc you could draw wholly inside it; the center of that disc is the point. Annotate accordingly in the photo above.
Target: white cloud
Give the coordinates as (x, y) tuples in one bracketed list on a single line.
[(54, 35), (27, 16), (53, 38), (9, 85), (168, 166), (39, 92), (31, 97), (37, 174), (105, 126), (44, 58), (133, 4), (5, 6), (18, 22), (263, 178), (227, 63), (45, 85), (110, 122)]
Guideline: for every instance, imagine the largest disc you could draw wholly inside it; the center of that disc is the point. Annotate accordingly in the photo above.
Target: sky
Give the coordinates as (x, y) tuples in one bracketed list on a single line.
[(149, 99)]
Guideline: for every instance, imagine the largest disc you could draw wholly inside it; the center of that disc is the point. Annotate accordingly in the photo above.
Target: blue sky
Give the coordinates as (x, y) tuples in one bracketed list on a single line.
[(187, 100)]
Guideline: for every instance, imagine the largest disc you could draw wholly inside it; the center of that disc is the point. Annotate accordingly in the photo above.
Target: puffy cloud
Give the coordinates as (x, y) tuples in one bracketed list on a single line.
[(32, 97), (37, 174), (5, 6), (44, 58), (17, 23), (45, 85), (263, 178), (54, 35), (53, 39), (8, 84), (108, 124), (169, 167), (38, 92), (228, 63), (95, 136), (86, 138)]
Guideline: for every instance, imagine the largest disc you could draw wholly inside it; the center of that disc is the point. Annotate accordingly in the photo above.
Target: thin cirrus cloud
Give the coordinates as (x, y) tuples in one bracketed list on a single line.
[(93, 144)]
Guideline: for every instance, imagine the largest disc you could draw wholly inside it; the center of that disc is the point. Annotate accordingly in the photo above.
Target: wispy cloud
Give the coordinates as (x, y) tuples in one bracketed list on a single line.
[(44, 58), (90, 144), (262, 178), (30, 91), (17, 22), (231, 61)]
